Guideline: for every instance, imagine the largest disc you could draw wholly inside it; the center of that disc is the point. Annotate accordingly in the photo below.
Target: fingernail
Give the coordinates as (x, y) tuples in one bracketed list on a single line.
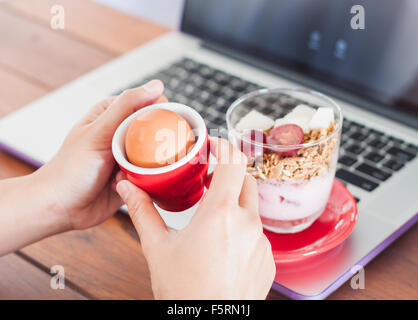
[(154, 87), (123, 190)]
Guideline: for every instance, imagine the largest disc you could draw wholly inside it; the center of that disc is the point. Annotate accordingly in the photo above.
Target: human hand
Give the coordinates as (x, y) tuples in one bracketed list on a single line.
[(222, 253), (78, 180)]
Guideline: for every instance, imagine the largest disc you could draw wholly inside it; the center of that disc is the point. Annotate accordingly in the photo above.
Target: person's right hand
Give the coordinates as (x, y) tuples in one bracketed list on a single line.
[(222, 253)]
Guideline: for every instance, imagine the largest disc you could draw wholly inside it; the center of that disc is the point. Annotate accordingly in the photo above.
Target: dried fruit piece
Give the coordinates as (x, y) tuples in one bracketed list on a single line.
[(284, 135)]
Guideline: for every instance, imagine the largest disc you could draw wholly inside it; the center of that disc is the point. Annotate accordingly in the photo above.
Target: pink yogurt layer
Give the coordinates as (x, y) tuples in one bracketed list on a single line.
[(291, 200)]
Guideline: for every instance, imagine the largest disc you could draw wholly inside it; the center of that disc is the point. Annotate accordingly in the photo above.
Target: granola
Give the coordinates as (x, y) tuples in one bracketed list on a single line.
[(305, 164)]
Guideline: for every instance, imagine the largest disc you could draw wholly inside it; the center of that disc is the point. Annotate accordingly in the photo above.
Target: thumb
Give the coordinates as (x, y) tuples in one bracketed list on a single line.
[(128, 102), (146, 219)]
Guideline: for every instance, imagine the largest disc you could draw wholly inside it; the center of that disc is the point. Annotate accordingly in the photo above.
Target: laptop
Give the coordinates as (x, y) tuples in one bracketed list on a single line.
[(228, 48)]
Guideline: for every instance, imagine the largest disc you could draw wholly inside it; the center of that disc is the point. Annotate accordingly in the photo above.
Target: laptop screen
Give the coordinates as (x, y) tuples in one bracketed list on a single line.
[(316, 38)]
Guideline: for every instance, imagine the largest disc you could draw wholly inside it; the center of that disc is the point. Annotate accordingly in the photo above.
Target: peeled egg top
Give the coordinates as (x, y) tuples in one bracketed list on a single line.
[(157, 138)]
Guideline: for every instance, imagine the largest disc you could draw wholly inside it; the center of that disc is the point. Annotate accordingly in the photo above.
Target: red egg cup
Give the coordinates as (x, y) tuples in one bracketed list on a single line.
[(177, 186)]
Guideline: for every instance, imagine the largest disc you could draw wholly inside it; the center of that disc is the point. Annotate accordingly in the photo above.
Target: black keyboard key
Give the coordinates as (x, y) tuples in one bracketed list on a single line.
[(231, 99), (373, 172), (346, 129), (396, 140), (221, 78), (226, 92), (238, 85), (393, 165), (356, 124), (189, 90), (347, 160), (268, 110), (206, 72), (210, 86), (219, 121), (356, 180), (377, 132), (223, 110), (190, 65), (344, 141), (253, 87), (358, 136), (203, 97), (271, 99), (412, 148), (401, 154), (220, 102), (173, 84), (211, 101), (355, 148), (366, 131), (377, 143), (374, 157)]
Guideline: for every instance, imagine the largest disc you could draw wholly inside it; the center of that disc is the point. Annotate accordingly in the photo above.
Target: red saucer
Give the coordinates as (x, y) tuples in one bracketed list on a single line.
[(334, 226)]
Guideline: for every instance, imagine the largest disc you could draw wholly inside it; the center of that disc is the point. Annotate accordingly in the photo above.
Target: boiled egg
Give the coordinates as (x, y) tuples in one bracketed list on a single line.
[(157, 138)]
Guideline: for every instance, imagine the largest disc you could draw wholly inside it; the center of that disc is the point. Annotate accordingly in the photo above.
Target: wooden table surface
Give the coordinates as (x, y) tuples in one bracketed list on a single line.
[(106, 262)]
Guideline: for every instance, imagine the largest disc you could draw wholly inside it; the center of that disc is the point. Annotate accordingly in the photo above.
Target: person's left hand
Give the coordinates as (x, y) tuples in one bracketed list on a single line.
[(79, 180)]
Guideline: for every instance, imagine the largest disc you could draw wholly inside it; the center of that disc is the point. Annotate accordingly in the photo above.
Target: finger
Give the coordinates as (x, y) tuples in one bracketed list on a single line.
[(101, 106), (119, 176), (96, 111), (128, 102), (162, 99), (106, 204), (229, 173), (267, 269), (249, 194), (114, 202), (146, 219)]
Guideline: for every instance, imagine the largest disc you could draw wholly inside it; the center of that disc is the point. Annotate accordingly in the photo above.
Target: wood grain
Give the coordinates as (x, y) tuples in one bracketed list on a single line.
[(113, 31), (20, 279), (12, 167), (42, 55), (24, 91), (106, 261)]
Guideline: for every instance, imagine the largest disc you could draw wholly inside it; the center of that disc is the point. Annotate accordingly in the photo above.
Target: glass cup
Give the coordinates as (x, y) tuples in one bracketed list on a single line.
[(294, 181)]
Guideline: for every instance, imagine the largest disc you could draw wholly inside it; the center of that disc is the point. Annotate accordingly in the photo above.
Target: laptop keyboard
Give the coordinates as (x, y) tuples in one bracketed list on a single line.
[(210, 91), (368, 157)]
